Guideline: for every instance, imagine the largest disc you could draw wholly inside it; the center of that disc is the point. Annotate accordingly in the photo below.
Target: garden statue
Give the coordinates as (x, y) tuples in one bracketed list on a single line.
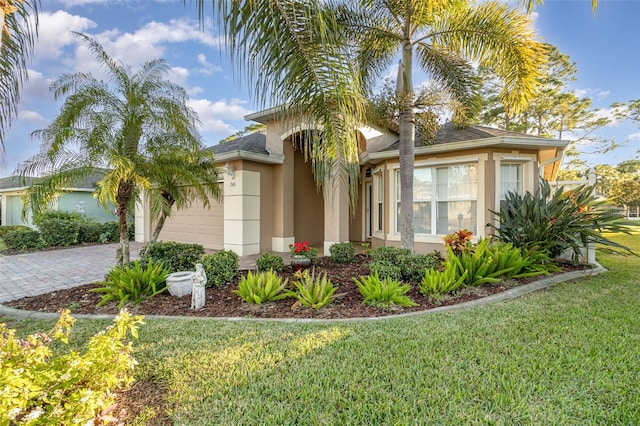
[(199, 284)]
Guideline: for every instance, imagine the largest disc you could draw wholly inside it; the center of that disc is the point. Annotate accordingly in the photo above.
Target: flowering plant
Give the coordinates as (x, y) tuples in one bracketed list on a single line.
[(303, 249)]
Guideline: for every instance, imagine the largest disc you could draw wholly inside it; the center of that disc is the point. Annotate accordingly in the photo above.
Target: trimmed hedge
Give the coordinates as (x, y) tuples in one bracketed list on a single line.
[(220, 267), (175, 256), (23, 238)]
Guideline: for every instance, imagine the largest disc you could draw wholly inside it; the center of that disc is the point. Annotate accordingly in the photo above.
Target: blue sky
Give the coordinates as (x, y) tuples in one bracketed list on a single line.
[(605, 47)]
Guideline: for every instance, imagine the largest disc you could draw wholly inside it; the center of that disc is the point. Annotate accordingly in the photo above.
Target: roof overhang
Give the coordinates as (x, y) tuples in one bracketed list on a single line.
[(495, 142), (251, 156)]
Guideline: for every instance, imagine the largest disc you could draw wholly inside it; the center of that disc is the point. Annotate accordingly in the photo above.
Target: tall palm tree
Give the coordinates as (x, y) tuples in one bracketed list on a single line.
[(18, 31), (444, 37), (124, 124)]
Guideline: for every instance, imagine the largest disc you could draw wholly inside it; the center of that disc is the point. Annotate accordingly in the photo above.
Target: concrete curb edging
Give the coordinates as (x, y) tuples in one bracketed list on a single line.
[(494, 298)]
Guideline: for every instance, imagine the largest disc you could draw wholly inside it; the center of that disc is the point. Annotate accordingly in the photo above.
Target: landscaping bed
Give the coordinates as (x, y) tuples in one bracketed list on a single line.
[(221, 302)]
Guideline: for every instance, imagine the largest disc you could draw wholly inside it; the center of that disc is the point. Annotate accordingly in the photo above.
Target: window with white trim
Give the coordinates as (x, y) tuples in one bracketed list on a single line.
[(379, 180), (511, 179), (445, 199)]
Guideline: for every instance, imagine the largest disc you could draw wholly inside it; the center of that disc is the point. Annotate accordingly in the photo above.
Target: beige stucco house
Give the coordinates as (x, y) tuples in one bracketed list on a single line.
[(270, 198)]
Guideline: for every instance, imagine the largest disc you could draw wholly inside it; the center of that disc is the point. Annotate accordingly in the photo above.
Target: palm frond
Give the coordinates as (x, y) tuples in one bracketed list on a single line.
[(17, 38)]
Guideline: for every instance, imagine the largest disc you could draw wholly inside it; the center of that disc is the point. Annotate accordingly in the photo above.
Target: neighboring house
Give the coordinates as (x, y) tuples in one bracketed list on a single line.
[(270, 198), (77, 198)]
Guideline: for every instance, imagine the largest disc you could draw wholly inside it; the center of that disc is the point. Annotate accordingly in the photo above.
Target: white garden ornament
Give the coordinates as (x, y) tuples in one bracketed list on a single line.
[(199, 284)]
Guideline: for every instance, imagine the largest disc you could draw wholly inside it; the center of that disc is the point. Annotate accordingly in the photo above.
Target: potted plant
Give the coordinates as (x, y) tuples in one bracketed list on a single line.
[(302, 255)]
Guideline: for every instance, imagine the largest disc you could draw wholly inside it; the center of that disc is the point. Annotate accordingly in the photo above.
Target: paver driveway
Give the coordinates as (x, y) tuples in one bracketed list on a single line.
[(42, 272)]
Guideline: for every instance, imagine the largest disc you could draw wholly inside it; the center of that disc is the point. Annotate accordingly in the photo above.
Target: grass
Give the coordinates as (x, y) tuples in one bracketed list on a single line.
[(569, 355)]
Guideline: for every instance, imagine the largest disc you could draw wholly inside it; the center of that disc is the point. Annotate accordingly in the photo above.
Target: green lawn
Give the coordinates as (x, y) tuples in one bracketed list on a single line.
[(569, 355)]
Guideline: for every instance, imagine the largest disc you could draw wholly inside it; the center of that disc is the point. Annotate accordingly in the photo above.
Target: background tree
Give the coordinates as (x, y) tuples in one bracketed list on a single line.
[(18, 32), (301, 57), (120, 124), (249, 129)]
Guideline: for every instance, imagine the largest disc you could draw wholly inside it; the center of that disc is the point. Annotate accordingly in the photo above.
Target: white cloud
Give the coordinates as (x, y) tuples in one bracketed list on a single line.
[(208, 68), (213, 114), (33, 117), (55, 33), (597, 94), (633, 137)]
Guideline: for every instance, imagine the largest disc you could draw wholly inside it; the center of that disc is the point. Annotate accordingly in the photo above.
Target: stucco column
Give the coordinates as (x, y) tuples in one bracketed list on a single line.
[(142, 219), (242, 212), (336, 211)]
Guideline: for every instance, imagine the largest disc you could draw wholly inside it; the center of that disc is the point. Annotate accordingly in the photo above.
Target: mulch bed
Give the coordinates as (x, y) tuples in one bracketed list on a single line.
[(221, 302)]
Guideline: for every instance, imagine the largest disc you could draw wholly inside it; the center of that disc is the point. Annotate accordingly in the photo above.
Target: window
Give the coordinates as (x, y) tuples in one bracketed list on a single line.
[(511, 179), (379, 200), (445, 199)]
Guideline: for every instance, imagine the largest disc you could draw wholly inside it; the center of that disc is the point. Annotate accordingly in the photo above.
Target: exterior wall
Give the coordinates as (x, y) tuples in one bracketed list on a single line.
[(488, 162), (308, 204), (71, 201), (283, 188), (196, 224)]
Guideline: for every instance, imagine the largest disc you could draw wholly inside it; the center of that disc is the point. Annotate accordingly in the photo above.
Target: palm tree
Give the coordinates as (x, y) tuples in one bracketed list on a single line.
[(19, 28), (445, 37), (124, 124), (180, 177)]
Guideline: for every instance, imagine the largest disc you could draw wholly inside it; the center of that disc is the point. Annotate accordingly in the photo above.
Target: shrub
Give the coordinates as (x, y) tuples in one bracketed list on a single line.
[(110, 232), (261, 287), (89, 231), (133, 283), (220, 267), (313, 292), (269, 261), (23, 238), (9, 228), (413, 266), (176, 256), (478, 264), (558, 221), (59, 232), (387, 292), (436, 283), (343, 252), (386, 269), (40, 386), (389, 254)]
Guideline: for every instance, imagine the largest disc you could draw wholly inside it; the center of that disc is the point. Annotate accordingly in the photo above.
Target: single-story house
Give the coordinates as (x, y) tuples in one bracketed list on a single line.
[(76, 198), (270, 198)]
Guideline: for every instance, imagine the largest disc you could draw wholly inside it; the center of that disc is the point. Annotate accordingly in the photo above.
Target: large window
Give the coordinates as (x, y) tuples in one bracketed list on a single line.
[(444, 199), (511, 179)]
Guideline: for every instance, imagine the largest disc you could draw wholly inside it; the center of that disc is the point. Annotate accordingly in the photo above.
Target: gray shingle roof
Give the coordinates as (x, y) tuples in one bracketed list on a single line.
[(449, 134), (90, 182), (254, 142)]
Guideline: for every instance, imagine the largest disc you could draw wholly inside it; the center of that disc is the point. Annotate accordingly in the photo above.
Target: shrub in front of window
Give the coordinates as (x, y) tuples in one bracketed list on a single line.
[(557, 221)]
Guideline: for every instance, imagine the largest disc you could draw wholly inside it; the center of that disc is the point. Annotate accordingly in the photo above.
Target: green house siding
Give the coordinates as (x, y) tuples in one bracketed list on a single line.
[(85, 203)]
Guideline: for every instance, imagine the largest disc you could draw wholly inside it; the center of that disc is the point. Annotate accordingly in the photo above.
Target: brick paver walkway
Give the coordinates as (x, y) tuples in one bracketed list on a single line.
[(43, 272)]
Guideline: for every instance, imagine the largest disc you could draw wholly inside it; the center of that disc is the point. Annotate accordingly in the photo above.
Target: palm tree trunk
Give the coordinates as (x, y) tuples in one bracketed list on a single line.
[(406, 149), (123, 201), (163, 217)]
